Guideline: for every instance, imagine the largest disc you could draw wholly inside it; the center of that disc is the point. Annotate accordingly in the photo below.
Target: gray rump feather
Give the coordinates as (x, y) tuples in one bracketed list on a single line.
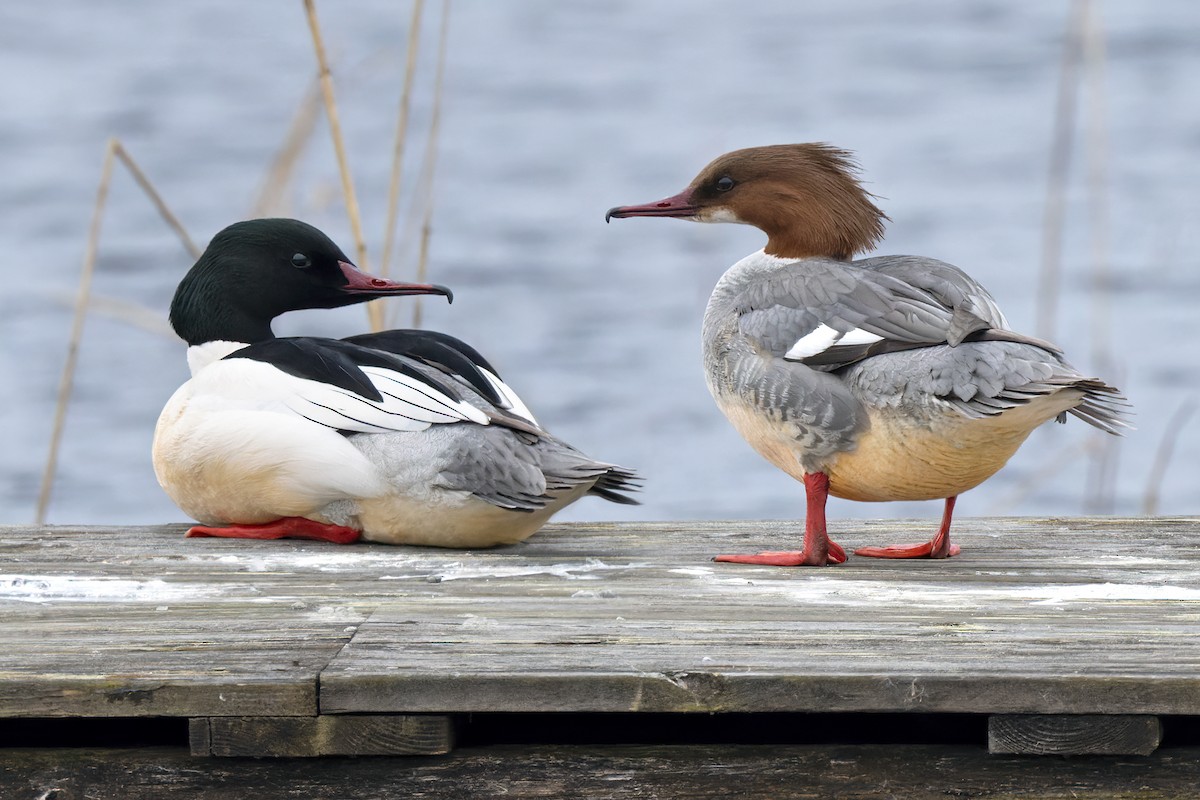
[(982, 379), (510, 463), (943, 338), (521, 472)]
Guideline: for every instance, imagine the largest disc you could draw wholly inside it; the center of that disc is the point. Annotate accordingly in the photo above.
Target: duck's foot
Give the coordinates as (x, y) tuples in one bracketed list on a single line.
[(925, 550), (937, 547), (285, 528), (790, 558), (819, 549)]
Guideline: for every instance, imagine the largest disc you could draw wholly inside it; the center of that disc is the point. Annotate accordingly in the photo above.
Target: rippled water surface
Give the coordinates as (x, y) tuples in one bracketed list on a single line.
[(554, 112)]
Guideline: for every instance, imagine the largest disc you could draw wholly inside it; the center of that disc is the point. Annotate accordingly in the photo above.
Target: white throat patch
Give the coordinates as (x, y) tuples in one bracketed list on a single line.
[(200, 356)]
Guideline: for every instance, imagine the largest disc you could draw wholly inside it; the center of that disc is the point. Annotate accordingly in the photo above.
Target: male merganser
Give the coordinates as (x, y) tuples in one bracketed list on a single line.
[(403, 437), (888, 378)]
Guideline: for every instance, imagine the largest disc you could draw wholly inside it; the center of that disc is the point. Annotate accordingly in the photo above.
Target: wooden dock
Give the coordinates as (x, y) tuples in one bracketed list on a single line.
[(1055, 635)]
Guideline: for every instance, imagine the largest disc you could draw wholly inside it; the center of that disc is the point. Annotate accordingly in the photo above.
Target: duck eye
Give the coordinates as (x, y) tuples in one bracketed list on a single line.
[(300, 260), (724, 183)]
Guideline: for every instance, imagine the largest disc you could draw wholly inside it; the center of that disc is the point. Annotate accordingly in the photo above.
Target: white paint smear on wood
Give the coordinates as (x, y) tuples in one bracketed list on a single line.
[(70, 588), (833, 590), (456, 571), (836, 591)]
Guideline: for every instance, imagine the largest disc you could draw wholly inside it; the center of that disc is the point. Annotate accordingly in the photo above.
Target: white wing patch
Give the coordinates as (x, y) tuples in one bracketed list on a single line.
[(859, 336), (421, 397), (825, 337), (511, 401), (408, 405)]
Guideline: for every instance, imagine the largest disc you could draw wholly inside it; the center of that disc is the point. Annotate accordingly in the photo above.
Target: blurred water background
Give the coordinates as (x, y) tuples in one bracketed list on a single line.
[(552, 113)]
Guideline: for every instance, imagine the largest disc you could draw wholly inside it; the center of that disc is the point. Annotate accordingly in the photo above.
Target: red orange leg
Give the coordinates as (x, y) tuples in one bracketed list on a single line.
[(819, 549), (937, 547), (283, 528)]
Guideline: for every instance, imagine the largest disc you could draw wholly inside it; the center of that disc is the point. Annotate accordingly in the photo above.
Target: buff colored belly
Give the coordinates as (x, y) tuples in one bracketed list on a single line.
[(901, 462), (454, 520), (905, 457)]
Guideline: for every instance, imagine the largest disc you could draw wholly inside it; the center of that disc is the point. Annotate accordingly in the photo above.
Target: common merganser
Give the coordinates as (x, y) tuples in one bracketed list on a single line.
[(403, 437), (887, 378)]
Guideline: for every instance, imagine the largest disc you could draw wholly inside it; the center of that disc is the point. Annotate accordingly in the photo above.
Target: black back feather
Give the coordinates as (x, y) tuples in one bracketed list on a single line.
[(337, 362), (439, 350)]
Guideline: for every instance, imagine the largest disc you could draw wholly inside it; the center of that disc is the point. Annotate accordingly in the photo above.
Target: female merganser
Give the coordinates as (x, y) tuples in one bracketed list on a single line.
[(403, 437), (888, 378)]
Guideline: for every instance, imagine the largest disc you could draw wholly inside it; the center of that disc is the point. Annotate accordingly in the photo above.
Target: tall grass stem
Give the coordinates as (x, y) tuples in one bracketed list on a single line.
[(1162, 456), (430, 160), (279, 175), (67, 381), (325, 77), (410, 71), (1049, 277)]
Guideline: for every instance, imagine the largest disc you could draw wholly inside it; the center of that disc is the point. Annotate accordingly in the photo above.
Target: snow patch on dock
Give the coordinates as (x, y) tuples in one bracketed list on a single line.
[(71, 588)]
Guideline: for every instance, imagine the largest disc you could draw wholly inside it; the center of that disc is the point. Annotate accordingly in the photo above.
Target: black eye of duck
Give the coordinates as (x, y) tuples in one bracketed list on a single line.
[(300, 260), (725, 183)]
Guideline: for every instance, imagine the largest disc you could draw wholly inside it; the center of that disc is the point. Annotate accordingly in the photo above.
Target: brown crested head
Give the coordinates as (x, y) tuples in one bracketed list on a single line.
[(806, 197)]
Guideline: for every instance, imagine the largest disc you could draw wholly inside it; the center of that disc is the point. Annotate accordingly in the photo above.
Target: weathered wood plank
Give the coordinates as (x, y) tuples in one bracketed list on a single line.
[(1075, 626), (1074, 735), (370, 735), (605, 773), (140, 622), (1035, 617)]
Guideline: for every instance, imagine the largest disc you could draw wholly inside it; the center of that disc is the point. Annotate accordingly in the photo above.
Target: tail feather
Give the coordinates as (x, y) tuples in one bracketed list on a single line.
[(1103, 406), (614, 482)]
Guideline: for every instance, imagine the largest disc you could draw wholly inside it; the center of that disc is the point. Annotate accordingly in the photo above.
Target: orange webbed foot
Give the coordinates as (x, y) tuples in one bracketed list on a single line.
[(908, 551), (285, 528), (789, 558)]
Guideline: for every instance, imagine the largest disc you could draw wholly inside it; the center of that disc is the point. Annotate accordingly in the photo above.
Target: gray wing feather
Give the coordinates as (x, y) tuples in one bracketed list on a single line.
[(944, 337), (511, 463), (521, 472), (983, 379), (784, 308), (952, 287)]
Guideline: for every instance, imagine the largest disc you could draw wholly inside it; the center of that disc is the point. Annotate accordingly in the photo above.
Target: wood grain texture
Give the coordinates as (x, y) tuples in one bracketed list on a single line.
[(368, 735), (1074, 734), (138, 622), (1037, 616), (605, 773), (1069, 616)]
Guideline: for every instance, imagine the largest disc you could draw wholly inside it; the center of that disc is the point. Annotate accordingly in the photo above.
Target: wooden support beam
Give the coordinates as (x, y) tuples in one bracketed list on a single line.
[(695, 772), (352, 735), (1074, 734)]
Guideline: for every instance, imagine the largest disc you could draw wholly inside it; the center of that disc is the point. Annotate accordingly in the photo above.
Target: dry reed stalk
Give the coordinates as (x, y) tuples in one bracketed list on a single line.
[(430, 160), (127, 311), (410, 70), (1039, 478), (1104, 460), (1095, 60), (67, 381), (113, 151), (423, 259), (1100, 488), (1162, 456), (1049, 276), (121, 153), (325, 76), (283, 166)]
